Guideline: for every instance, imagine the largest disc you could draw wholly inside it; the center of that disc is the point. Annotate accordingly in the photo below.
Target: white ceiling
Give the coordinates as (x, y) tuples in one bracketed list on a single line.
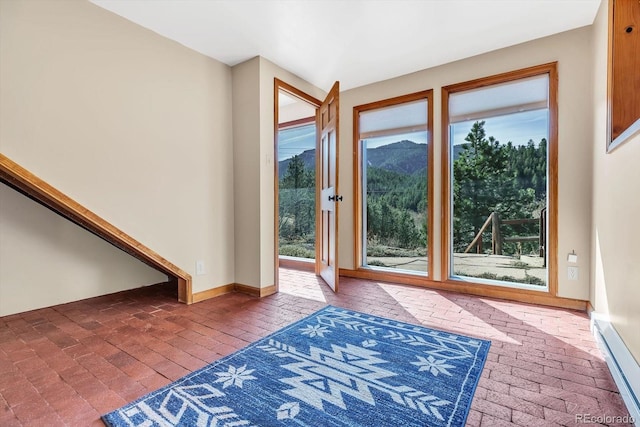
[(354, 41)]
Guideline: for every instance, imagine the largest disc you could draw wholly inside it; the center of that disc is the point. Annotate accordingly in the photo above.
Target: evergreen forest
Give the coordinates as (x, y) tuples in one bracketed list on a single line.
[(487, 177)]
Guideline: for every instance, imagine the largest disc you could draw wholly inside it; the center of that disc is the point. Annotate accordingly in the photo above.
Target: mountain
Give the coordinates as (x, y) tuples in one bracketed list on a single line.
[(457, 150), (308, 157), (403, 157)]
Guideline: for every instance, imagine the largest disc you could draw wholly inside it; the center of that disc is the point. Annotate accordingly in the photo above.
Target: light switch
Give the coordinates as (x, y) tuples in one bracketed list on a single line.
[(199, 268)]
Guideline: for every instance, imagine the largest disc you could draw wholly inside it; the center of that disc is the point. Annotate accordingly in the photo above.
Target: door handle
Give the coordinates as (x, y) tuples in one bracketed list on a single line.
[(335, 198)]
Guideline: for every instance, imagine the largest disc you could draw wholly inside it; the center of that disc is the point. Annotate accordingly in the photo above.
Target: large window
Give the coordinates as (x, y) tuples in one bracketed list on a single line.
[(392, 164), (499, 143)]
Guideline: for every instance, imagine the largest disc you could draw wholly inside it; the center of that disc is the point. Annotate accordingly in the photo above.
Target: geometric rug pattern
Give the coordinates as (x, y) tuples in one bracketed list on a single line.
[(336, 367)]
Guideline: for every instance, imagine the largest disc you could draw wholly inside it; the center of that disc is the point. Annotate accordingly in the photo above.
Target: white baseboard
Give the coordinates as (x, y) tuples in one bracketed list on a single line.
[(624, 368)]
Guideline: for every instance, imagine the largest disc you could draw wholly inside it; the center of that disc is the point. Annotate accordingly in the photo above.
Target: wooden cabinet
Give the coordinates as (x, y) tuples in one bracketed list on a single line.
[(624, 69)]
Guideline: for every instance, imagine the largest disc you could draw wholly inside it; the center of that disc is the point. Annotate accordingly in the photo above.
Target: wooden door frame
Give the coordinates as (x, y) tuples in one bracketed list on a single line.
[(279, 85)]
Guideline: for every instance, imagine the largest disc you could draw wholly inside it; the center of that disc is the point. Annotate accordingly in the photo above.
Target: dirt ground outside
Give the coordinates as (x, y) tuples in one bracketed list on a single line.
[(474, 265)]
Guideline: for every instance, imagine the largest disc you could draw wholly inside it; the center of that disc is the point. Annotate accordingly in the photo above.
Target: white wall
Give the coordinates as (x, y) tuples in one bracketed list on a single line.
[(246, 169), (135, 127), (46, 260), (615, 289), (254, 130), (572, 50)]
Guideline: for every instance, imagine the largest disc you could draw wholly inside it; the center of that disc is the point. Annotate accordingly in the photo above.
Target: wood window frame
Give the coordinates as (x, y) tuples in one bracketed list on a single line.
[(296, 123), (549, 296), (357, 185)]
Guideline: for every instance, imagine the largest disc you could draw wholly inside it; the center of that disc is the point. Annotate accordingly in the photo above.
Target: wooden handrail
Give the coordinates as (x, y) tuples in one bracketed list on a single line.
[(519, 221), (521, 239), (496, 236), (25, 182), (478, 237)]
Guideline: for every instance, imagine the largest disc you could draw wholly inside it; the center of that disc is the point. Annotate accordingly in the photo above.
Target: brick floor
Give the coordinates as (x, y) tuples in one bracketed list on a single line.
[(69, 364)]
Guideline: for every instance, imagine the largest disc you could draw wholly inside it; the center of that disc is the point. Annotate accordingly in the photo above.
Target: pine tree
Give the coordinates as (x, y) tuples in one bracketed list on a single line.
[(297, 200), (490, 177)]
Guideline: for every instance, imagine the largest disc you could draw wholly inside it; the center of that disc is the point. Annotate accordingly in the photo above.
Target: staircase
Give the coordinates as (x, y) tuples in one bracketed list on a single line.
[(23, 181)]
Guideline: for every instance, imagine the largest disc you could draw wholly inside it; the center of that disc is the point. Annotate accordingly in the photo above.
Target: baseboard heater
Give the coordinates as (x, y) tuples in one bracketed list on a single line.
[(623, 366)]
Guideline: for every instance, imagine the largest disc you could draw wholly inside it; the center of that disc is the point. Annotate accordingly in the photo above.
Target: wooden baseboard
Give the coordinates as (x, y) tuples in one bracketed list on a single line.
[(212, 293), (234, 287), (256, 292), (520, 295), (269, 290), (246, 289)]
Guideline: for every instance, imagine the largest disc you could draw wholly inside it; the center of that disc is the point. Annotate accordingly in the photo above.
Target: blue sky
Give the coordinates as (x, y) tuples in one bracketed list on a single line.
[(517, 128), (296, 140)]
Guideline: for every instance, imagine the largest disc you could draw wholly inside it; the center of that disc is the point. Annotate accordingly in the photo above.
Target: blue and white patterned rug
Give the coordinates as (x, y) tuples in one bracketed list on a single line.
[(334, 368)]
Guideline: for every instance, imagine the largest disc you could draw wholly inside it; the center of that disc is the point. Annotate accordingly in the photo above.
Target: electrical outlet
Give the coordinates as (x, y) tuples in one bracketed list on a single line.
[(572, 273), (199, 268)]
